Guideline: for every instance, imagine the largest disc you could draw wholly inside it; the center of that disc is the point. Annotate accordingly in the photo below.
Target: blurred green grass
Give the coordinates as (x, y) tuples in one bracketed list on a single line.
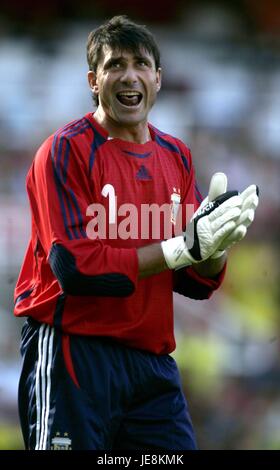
[(10, 437)]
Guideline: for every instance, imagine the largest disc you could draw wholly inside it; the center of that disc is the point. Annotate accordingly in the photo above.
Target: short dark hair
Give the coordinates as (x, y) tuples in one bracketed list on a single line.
[(122, 34)]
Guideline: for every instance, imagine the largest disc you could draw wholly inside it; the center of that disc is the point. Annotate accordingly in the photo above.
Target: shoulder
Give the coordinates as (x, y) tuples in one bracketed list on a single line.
[(55, 149), (173, 144), (72, 130), (75, 134)]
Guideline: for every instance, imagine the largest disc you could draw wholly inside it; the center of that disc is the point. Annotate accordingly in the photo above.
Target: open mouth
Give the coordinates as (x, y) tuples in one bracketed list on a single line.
[(129, 98)]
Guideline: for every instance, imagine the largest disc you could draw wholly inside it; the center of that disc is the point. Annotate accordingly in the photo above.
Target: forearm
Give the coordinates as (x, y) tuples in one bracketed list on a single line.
[(151, 260), (210, 267)]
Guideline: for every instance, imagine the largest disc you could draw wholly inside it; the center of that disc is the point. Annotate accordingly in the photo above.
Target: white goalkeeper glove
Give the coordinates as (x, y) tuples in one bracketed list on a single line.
[(209, 227), (250, 200)]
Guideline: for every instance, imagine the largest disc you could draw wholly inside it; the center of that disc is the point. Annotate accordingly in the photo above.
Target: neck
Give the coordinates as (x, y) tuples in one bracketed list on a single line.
[(138, 133)]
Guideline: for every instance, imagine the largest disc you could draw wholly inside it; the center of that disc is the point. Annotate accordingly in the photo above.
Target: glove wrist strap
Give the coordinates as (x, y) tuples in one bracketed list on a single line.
[(176, 253)]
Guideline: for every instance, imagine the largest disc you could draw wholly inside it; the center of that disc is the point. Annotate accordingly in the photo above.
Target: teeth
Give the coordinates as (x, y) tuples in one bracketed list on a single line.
[(129, 93)]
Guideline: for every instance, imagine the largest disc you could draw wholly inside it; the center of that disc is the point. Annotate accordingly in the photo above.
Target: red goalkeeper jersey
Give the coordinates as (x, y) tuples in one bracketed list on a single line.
[(87, 284)]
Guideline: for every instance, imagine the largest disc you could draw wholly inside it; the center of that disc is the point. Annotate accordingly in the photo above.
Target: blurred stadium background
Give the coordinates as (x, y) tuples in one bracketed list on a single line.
[(221, 95)]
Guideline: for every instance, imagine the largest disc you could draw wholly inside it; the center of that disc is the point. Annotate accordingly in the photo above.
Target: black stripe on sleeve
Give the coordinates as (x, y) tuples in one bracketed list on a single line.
[(189, 287), (74, 283)]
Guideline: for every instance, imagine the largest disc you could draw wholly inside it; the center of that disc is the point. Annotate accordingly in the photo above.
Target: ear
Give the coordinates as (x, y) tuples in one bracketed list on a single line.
[(158, 79), (92, 82)]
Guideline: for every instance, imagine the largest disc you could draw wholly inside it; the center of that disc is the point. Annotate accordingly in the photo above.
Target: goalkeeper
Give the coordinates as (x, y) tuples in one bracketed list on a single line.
[(97, 371)]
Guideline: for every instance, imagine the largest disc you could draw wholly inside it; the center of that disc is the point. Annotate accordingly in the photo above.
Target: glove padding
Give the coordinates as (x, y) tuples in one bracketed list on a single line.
[(250, 200), (209, 226)]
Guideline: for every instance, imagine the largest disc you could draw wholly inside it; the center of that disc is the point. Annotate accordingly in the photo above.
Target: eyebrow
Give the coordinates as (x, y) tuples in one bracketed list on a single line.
[(120, 58), (143, 57), (113, 60)]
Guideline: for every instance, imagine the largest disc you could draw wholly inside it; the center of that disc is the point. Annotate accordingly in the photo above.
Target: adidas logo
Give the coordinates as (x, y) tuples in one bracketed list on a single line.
[(143, 174)]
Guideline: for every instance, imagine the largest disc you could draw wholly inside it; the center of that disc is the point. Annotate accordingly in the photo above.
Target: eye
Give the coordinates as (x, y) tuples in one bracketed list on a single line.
[(142, 63), (115, 65)]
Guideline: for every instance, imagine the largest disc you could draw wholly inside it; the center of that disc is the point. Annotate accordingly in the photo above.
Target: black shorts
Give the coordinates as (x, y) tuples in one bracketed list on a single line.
[(86, 393)]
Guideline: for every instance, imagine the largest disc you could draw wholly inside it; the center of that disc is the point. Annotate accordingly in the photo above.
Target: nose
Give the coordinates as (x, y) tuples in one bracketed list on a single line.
[(129, 75)]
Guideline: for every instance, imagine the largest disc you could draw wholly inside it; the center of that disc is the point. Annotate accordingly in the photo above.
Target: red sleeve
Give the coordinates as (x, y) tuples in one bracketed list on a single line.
[(187, 281), (60, 192)]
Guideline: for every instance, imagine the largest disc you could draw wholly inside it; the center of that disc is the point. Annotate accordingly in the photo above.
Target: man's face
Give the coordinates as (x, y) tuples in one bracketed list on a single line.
[(126, 84)]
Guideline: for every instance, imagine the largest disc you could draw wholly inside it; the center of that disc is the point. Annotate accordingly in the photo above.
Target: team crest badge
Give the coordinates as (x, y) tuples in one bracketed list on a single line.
[(175, 204), (61, 442)]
